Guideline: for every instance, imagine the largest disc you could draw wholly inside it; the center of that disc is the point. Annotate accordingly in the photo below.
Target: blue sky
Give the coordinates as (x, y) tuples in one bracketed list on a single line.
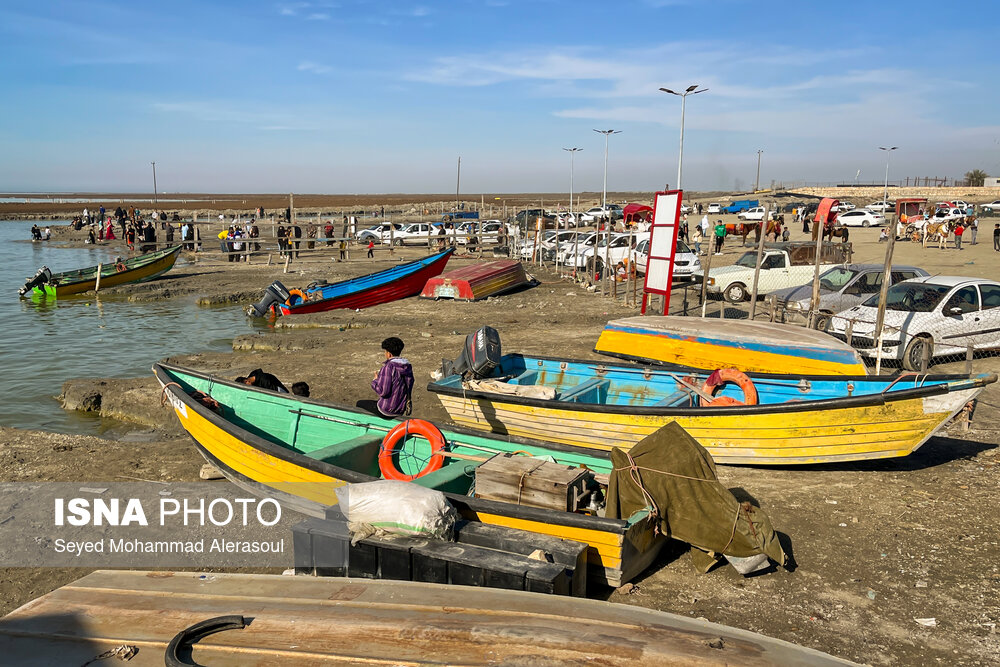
[(363, 96)]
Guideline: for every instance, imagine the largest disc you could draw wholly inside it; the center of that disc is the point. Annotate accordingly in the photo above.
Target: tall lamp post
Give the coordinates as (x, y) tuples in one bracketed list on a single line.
[(604, 195), (572, 159), (887, 271), (885, 192), (154, 183), (690, 90), (756, 183)]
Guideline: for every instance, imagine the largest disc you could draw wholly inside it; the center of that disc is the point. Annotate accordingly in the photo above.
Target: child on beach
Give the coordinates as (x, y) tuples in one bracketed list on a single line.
[(371, 248), (393, 383)]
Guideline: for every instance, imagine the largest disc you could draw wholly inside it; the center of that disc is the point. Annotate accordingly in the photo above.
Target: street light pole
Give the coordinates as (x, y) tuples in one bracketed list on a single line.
[(690, 90), (154, 183), (885, 192), (604, 195), (756, 183), (572, 159)]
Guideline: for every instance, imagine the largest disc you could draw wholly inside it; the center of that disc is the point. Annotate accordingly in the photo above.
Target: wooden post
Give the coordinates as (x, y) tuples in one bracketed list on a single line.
[(849, 331), (704, 280), (756, 271), (880, 314), (925, 357), (288, 258), (814, 300), (969, 351), (97, 282)]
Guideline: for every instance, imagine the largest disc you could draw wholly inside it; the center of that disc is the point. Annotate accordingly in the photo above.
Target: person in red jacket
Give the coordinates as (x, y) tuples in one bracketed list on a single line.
[(959, 230)]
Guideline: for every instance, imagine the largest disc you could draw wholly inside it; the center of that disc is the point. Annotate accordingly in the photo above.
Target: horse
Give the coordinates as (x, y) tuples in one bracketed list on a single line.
[(831, 230)]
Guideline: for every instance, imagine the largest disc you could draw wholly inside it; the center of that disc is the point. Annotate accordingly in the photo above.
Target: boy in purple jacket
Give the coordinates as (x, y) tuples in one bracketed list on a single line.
[(393, 381)]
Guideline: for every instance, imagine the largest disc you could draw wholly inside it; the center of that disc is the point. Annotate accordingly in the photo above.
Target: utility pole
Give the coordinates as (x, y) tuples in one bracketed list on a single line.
[(690, 90), (458, 182), (756, 183), (154, 183)]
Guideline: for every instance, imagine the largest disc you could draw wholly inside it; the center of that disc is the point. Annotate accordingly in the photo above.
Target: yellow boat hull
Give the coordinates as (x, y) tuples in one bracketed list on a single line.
[(614, 557), (829, 434)]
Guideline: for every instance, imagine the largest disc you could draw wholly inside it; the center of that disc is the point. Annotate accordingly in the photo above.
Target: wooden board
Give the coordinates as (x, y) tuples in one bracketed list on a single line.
[(306, 621), (526, 480)]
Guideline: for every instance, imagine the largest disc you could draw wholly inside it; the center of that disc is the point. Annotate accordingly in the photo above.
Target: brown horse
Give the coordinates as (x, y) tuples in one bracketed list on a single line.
[(831, 230)]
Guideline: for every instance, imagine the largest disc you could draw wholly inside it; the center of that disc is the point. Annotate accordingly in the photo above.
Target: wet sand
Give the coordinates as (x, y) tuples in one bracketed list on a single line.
[(876, 544)]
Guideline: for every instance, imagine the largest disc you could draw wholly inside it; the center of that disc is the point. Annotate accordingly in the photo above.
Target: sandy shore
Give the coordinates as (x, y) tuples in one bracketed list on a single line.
[(877, 544)]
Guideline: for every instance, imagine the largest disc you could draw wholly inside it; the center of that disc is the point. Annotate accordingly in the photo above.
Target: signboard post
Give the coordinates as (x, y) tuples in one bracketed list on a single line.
[(662, 245)]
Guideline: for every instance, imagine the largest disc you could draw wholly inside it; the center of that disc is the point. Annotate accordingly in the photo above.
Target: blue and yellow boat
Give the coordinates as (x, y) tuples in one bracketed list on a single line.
[(299, 451), (794, 419), (709, 343)]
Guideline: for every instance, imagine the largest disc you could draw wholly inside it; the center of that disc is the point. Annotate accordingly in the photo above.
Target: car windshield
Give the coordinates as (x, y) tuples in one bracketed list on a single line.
[(748, 260), (681, 246), (912, 297), (835, 279)]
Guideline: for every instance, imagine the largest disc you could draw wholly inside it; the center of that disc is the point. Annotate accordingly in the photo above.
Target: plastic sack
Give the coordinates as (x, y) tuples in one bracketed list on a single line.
[(399, 508)]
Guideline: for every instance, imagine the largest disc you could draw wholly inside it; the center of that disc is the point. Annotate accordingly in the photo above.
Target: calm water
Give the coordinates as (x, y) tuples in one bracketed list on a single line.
[(46, 342)]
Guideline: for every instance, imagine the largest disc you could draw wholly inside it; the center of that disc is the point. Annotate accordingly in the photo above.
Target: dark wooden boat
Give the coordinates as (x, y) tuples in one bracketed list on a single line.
[(132, 270), (267, 619), (366, 291)]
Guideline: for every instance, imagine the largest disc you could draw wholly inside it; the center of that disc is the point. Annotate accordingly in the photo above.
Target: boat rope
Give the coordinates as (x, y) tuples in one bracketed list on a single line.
[(901, 376), (163, 392)]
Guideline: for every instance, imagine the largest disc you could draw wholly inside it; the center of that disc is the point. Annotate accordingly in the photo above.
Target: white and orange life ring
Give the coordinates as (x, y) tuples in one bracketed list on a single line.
[(398, 435), (721, 377), (295, 292)]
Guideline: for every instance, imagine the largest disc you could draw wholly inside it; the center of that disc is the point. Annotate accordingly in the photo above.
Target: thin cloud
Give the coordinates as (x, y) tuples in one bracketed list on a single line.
[(315, 68), (225, 113), (318, 16)]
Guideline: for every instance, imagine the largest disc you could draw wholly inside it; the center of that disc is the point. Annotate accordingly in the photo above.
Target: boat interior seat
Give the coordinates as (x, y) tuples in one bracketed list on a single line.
[(451, 478), (354, 454), (677, 399), (527, 377), (589, 390)]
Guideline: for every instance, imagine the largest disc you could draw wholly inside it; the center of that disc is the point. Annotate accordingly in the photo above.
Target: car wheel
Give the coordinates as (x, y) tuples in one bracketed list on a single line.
[(821, 322), (735, 293), (865, 223), (914, 353), (910, 229), (399, 242)]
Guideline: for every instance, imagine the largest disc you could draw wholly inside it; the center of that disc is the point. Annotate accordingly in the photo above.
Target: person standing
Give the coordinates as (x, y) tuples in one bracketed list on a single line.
[(282, 241), (996, 237), (696, 239), (311, 230), (328, 232), (393, 383), (720, 236), (959, 230), (973, 225), (296, 234), (371, 248)]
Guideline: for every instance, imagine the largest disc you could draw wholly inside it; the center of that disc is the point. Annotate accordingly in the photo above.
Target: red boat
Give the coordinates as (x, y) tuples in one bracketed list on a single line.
[(479, 281), (398, 282)]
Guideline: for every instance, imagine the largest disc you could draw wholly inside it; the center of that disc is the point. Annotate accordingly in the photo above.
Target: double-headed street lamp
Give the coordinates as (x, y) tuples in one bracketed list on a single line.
[(690, 90), (604, 196), (885, 192), (572, 160)]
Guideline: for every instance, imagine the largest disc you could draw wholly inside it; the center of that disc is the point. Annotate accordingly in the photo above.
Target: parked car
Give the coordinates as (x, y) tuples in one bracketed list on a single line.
[(687, 208), (528, 218), (614, 250), (714, 208), (792, 206), (882, 207), (489, 233), (755, 213), (946, 314), (596, 213), (567, 219), (861, 218), (844, 206), (949, 214), (740, 205), (415, 233), (379, 233), (790, 266), (992, 207), (840, 288), (685, 261)]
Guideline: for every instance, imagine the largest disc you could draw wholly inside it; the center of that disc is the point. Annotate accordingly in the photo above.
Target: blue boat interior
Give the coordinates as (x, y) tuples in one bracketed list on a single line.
[(639, 386)]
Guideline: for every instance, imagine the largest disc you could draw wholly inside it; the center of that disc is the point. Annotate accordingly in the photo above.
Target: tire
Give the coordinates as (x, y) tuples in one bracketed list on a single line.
[(865, 223), (914, 352), (736, 293), (821, 322), (399, 242), (910, 229)]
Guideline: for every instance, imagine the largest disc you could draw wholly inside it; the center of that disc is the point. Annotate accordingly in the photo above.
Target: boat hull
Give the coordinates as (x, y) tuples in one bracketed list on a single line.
[(396, 285), (111, 278), (822, 435), (618, 550), (479, 281), (712, 343)]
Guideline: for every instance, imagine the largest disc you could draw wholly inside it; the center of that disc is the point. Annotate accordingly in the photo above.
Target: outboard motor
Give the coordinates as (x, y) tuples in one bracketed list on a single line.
[(42, 276), (274, 294), (480, 355)]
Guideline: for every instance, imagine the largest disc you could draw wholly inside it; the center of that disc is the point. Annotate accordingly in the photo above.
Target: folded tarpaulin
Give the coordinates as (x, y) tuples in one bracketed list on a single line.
[(671, 471)]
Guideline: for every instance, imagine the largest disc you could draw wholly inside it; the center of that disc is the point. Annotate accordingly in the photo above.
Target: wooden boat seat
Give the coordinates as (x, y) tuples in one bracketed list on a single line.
[(674, 400), (355, 454), (584, 389), (449, 478)]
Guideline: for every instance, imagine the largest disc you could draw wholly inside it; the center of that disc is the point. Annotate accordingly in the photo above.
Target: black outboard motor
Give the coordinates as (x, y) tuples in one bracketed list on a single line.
[(275, 293), (42, 276), (480, 355)]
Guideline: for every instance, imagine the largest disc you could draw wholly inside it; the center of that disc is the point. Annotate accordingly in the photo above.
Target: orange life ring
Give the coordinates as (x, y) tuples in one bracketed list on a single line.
[(398, 435), (120, 267), (721, 377), (295, 292)]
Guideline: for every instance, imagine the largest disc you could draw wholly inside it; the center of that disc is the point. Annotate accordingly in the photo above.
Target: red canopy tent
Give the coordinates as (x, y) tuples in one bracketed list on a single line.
[(636, 213)]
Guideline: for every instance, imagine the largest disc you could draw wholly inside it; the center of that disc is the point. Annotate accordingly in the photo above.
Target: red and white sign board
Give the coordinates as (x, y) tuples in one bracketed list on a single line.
[(662, 243)]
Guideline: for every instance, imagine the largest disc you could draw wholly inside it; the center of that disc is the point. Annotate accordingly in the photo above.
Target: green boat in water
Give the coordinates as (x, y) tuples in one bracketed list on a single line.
[(132, 270)]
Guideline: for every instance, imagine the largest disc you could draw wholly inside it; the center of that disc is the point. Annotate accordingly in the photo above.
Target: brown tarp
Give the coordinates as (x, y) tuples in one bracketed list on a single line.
[(679, 479)]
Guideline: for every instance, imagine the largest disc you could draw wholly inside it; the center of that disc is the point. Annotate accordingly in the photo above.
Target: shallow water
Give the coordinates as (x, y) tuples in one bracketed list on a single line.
[(48, 341)]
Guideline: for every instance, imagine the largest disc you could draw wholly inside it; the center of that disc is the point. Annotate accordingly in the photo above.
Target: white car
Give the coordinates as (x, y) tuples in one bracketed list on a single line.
[(861, 218), (844, 206), (489, 233), (946, 313), (714, 208), (415, 233), (686, 208), (685, 261), (379, 233), (949, 214), (566, 219), (755, 213), (992, 206), (880, 207)]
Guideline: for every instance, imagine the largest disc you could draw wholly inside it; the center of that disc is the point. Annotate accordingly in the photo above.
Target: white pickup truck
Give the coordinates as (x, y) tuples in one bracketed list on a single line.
[(779, 268)]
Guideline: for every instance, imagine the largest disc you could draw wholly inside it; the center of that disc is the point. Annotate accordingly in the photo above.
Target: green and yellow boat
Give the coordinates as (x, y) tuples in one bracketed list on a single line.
[(299, 451), (132, 270)]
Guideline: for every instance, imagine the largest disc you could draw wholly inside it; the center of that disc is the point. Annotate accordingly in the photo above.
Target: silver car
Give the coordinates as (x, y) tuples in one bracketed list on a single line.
[(840, 288)]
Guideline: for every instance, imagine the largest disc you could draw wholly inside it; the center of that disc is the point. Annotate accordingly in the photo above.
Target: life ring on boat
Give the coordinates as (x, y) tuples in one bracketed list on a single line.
[(721, 377), (120, 267), (398, 435), (295, 292)]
